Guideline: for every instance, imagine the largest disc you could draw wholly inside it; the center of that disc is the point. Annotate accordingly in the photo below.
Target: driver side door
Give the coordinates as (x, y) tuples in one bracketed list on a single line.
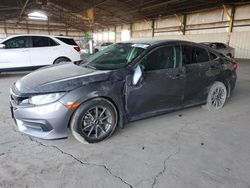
[(161, 87)]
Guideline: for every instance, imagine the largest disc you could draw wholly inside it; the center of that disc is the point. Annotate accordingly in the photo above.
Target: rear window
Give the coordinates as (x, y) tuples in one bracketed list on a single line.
[(193, 54), (43, 42), (67, 41), (201, 55), (212, 56), (220, 46)]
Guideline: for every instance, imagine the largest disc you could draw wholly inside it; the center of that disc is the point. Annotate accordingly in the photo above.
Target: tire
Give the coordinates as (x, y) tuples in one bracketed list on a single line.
[(96, 50), (217, 96), (88, 126), (60, 60)]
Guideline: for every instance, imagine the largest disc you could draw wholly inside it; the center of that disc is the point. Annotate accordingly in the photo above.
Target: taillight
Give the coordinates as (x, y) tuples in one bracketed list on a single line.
[(77, 49), (234, 66)]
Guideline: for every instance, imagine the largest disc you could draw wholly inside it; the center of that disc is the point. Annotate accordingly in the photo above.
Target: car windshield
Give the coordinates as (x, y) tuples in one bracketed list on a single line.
[(115, 56)]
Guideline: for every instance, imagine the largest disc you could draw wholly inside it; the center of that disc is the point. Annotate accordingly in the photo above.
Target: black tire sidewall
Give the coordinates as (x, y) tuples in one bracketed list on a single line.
[(61, 59), (82, 110)]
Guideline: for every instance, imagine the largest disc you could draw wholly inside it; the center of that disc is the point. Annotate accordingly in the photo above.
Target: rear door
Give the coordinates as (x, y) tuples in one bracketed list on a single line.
[(162, 86), (201, 71), (16, 53), (44, 51)]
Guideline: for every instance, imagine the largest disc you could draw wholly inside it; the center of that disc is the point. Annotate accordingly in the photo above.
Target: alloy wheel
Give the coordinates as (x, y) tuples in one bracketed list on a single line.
[(217, 96), (96, 122)]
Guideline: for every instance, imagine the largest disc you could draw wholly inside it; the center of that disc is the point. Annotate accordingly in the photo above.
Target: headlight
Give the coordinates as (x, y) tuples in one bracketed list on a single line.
[(18, 85), (45, 99)]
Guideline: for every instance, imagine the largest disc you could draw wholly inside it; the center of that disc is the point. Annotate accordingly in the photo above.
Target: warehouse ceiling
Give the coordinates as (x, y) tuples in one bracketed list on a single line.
[(106, 12)]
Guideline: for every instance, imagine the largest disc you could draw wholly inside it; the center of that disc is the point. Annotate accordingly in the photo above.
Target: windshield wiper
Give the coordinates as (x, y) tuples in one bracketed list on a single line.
[(89, 66)]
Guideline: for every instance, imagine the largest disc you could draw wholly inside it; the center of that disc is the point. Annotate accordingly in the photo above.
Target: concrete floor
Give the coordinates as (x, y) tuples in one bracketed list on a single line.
[(192, 148)]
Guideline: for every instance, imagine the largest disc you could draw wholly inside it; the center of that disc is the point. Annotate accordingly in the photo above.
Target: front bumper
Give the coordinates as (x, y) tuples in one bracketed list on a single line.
[(46, 121)]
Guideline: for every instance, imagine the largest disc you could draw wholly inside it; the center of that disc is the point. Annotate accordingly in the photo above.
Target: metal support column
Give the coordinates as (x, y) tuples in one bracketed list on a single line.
[(153, 28), (230, 16), (5, 29), (182, 20)]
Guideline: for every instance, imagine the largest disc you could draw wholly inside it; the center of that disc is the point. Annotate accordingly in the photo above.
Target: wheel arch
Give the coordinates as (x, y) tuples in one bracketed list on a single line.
[(118, 109), (61, 57), (227, 83)]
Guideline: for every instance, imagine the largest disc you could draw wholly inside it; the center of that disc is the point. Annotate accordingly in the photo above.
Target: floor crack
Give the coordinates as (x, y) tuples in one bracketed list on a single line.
[(177, 136), (82, 162), (165, 166)]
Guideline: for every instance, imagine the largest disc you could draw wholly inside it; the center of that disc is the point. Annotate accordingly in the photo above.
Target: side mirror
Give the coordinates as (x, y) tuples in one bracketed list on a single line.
[(137, 75), (2, 46)]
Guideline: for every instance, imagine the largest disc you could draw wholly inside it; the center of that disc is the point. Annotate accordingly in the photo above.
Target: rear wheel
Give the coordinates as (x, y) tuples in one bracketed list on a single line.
[(217, 96), (61, 60), (94, 121)]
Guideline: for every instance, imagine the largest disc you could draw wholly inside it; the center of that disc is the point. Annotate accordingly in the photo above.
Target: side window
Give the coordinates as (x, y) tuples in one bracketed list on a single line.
[(68, 41), (193, 54), (212, 56), (17, 42), (162, 58), (201, 55), (52, 42), (188, 55), (43, 42)]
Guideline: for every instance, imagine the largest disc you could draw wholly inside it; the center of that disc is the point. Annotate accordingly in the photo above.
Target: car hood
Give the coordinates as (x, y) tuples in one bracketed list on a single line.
[(56, 78)]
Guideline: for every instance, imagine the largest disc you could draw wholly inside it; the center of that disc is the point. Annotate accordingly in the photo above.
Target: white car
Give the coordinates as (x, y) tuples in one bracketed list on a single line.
[(29, 52), (102, 46)]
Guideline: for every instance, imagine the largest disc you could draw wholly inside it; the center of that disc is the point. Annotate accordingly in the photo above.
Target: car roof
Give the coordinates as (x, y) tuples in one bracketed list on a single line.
[(212, 43), (158, 41), (37, 35)]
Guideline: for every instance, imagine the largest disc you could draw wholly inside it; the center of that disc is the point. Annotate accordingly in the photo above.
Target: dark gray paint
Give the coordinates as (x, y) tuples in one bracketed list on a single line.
[(158, 91)]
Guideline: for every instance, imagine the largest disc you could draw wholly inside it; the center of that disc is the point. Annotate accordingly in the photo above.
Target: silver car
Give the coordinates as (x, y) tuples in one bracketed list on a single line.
[(222, 48)]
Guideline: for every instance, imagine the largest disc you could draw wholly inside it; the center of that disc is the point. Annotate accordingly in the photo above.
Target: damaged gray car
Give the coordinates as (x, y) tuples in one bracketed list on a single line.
[(125, 82)]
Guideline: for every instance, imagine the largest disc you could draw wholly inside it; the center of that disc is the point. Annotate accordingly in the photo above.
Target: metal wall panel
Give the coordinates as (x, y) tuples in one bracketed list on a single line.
[(207, 26), (239, 40)]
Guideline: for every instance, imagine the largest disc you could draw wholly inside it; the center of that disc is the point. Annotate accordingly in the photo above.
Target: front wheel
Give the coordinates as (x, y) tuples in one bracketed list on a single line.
[(94, 121), (217, 96)]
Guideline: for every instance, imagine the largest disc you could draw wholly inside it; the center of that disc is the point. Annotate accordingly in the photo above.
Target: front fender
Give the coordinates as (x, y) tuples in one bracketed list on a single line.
[(113, 91)]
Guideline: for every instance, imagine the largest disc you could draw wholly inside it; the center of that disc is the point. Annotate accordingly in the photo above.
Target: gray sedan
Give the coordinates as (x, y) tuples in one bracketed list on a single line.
[(125, 82)]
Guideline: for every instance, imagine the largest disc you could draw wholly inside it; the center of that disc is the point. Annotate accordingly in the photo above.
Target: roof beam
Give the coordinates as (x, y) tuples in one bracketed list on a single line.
[(22, 11)]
